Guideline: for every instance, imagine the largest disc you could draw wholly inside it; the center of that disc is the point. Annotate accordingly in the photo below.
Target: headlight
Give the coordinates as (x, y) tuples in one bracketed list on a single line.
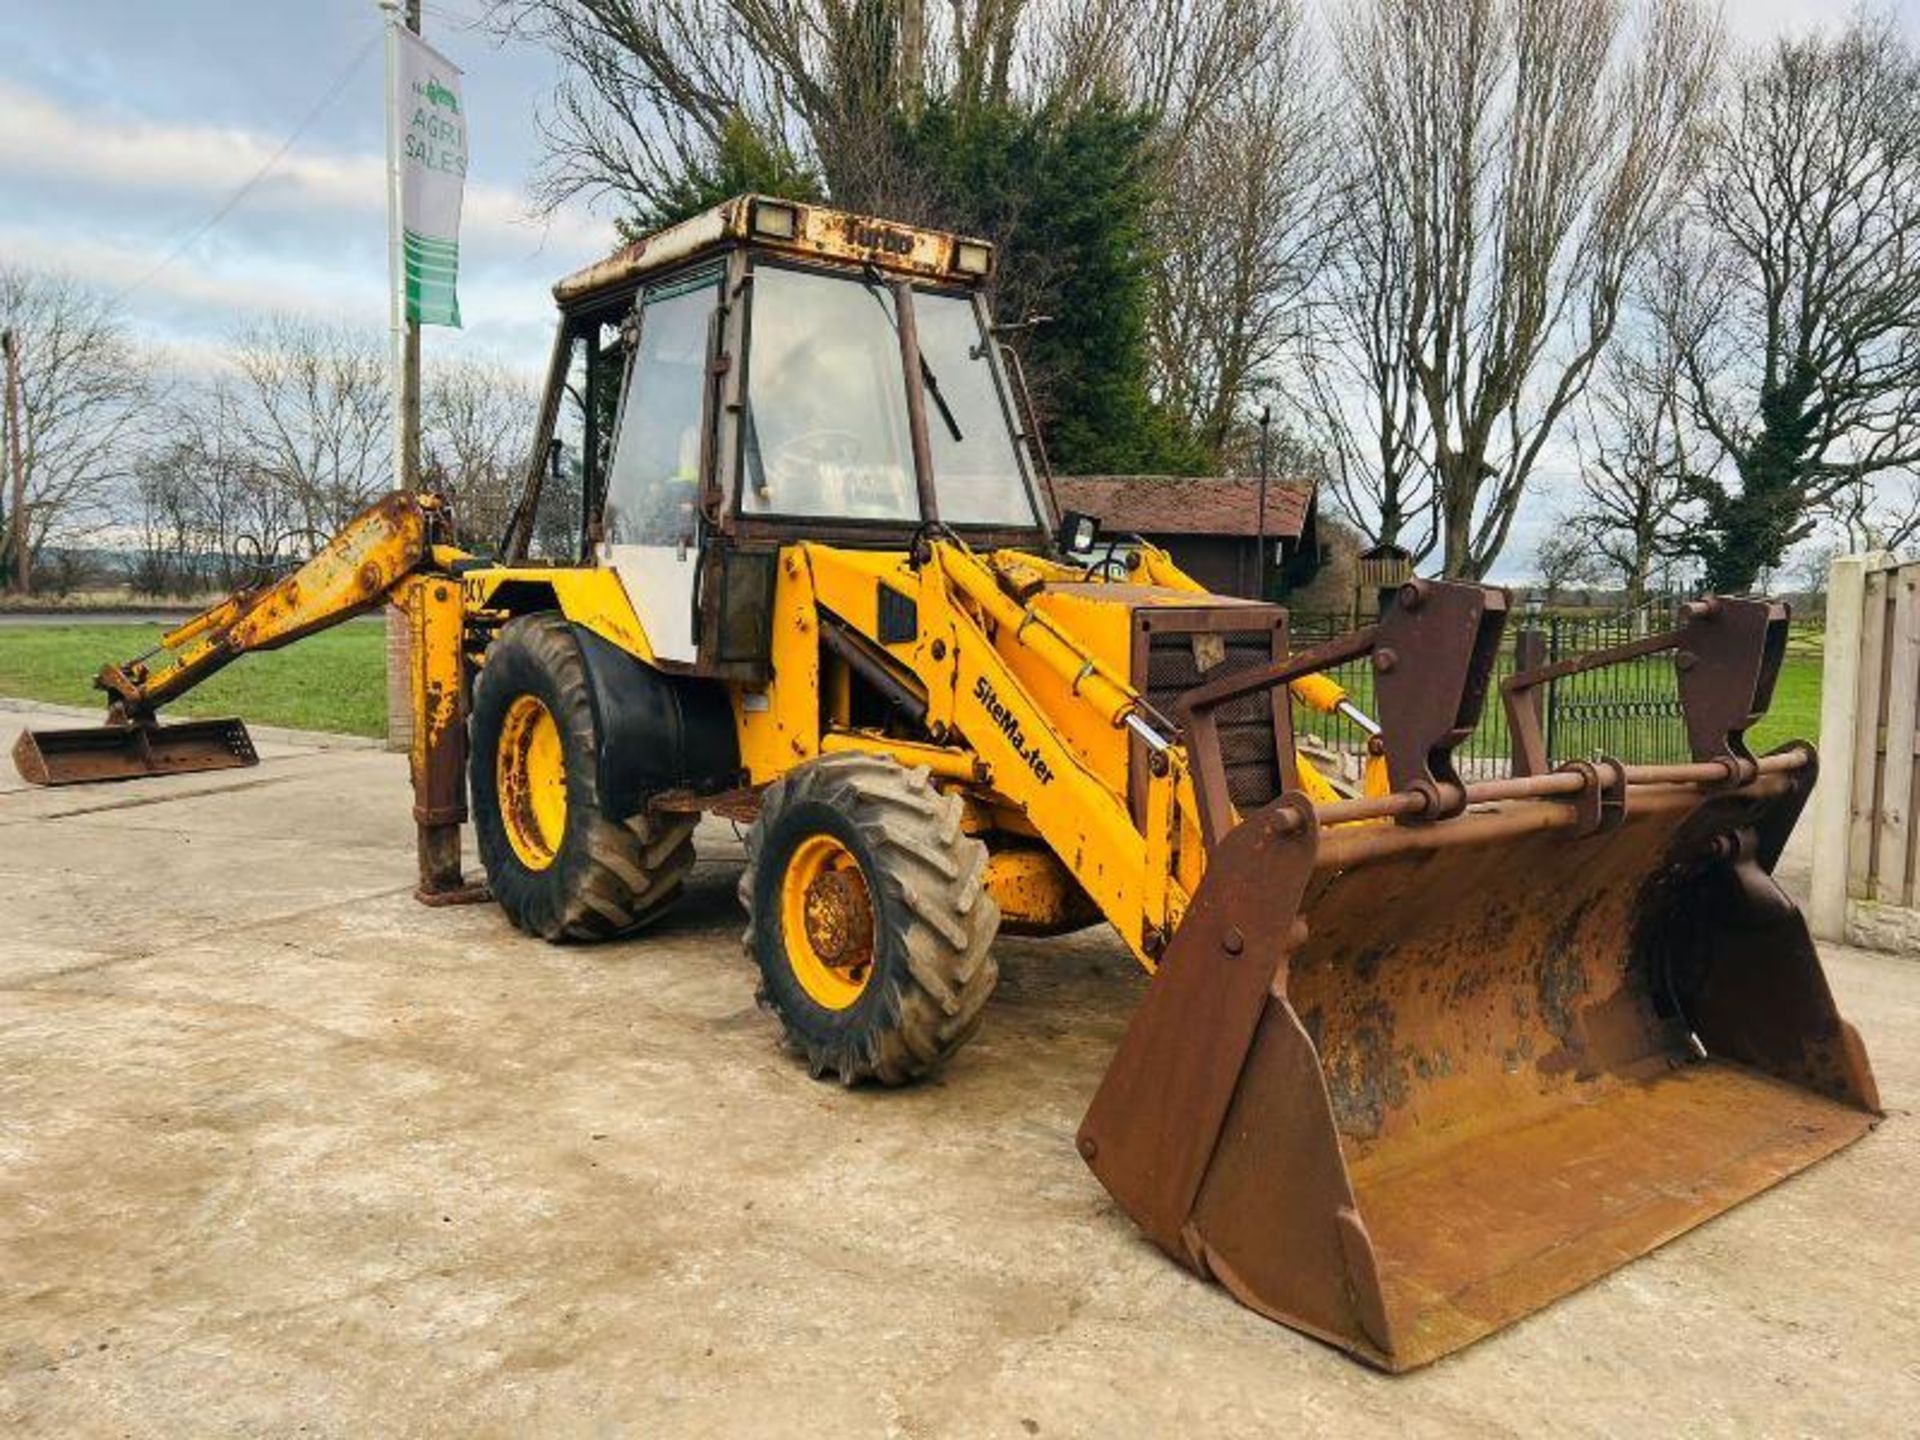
[(970, 257), (774, 220)]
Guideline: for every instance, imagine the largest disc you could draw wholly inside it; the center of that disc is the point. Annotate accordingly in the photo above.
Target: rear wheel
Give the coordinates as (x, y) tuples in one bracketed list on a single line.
[(869, 918), (559, 866)]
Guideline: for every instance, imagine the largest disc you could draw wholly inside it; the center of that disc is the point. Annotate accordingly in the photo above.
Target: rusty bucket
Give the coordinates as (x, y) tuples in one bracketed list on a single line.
[(1470, 1066), (130, 750), (1416, 1064)]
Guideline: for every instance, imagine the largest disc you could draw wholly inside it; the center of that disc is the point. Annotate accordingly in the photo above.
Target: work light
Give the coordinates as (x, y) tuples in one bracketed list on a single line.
[(970, 257), (775, 221)]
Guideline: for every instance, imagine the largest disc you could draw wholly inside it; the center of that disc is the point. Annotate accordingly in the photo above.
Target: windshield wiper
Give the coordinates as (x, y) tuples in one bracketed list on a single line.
[(870, 277)]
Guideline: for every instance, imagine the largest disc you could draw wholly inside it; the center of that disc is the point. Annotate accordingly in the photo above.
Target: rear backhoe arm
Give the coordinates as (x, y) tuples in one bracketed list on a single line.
[(387, 554), (351, 573)]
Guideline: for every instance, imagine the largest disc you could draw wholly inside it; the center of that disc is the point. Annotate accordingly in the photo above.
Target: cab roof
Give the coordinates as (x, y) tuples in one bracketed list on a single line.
[(786, 226)]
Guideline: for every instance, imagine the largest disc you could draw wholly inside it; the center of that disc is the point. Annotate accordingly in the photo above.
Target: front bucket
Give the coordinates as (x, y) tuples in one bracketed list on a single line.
[(126, 752), (1498, 1060)]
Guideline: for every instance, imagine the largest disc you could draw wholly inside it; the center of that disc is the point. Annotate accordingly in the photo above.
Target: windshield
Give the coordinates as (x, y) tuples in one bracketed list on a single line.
[(826, 418), (977, 475), (826, 433)]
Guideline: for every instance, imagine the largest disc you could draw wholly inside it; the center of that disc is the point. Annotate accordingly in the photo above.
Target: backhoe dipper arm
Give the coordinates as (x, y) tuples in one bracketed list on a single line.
[(352, 572)]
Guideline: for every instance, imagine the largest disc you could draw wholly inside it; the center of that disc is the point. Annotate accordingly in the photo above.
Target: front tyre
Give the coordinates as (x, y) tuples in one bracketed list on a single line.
[(869, 918), (559, 866)]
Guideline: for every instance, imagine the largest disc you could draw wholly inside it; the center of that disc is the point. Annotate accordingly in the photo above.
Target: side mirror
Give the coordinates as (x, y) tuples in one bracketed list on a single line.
[(1078, 533)]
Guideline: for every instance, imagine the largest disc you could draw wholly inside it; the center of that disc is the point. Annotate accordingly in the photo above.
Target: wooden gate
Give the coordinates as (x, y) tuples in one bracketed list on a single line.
[(1867, 841)]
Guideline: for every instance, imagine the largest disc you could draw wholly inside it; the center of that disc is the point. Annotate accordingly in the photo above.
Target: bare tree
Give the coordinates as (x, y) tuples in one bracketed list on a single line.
[(310, 407), (1519, 153), (84, 392), (1638, 466), (1564, 561), (1240, 224), (1351, 385), (477, 421), (651, 86), (1801, 333), (656, 89)]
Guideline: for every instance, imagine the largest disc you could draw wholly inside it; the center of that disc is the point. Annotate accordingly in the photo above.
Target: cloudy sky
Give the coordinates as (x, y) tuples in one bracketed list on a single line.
[(126, 124)]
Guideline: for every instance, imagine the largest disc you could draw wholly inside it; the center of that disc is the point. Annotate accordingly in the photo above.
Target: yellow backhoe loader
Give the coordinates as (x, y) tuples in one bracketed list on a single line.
[(1413, 1062)]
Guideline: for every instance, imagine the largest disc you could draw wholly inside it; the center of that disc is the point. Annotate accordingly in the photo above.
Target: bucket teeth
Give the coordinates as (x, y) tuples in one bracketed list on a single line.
[(129, 751)]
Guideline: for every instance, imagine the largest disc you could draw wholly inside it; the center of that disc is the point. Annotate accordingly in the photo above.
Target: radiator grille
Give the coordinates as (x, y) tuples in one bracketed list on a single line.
[(1245, 725)]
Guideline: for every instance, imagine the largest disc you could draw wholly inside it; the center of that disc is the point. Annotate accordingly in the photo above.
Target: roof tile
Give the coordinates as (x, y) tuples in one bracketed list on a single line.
[(1187, 505)]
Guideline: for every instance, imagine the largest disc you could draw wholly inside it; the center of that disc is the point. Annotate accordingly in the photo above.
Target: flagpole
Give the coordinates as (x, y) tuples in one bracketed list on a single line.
[(405, 331)]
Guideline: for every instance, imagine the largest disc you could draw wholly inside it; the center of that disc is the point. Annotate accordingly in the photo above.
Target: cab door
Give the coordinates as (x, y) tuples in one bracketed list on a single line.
[(650, 521)]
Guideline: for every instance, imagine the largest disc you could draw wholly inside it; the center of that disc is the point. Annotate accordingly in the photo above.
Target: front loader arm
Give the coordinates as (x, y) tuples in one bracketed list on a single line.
[(974, 693)]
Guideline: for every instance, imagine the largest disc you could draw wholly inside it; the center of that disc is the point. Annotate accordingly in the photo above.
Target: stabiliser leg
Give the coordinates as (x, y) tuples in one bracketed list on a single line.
[(438, 754)]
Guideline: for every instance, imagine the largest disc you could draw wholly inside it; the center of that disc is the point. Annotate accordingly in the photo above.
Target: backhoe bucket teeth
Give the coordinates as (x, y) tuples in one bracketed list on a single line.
[(129, 751), (1400, 1085)]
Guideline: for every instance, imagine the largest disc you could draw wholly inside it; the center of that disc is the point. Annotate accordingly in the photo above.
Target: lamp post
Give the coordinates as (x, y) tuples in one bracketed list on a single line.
[(1260, 520)]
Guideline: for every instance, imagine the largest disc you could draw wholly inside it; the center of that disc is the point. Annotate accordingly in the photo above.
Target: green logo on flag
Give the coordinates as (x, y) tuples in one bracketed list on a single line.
[(432, 268)]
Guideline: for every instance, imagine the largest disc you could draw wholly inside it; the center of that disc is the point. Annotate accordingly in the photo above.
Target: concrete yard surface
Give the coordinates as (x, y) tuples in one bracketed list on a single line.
[(282, 1151)]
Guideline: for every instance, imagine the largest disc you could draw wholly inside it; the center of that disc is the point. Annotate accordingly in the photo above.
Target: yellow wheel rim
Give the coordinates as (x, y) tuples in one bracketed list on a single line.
[(531, 772), (826, 922)]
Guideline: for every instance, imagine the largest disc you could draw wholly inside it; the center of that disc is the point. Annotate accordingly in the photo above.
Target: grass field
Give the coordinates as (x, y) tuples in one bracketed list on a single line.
[(334, 681)]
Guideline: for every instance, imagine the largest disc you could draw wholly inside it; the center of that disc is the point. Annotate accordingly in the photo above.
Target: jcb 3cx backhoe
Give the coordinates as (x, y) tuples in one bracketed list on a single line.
[(1413, 1061)]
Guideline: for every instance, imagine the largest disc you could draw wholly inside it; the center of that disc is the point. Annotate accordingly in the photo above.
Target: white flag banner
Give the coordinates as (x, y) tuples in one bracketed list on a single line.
[(430, 121)]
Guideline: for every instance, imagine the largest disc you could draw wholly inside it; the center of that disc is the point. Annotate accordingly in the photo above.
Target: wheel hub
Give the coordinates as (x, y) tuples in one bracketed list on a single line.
[(827, 922), (840, 919)]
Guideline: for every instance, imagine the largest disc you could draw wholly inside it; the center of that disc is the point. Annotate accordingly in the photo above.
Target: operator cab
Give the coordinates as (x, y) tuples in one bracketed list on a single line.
[(762, 373)]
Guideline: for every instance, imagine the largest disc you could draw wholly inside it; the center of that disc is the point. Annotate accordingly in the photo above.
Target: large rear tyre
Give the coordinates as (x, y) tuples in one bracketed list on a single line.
[(869, 918), (558, 865)]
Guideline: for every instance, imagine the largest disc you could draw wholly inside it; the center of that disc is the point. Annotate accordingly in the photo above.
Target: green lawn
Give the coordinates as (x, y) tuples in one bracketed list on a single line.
[(333, 681), (1795, 714)]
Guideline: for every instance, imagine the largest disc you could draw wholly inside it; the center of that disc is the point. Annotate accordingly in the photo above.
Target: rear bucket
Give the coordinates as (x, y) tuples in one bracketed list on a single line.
[(1497, 1060), (127, 752)]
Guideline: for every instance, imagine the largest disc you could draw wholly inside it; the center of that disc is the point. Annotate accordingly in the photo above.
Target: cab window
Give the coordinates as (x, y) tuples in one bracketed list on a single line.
[(978, 478), (653, 491)]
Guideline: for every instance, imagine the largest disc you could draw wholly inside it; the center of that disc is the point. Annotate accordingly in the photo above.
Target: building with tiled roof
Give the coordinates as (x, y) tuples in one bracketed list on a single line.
[(1210, 524)]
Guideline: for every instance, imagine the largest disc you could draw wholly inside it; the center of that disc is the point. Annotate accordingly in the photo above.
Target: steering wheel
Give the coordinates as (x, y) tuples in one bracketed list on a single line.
[(1111, 567), (813, 448), (798, 467)]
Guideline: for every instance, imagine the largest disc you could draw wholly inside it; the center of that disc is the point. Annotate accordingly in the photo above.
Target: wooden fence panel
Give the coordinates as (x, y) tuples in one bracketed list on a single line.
[(1866, 885), (1895, 798)]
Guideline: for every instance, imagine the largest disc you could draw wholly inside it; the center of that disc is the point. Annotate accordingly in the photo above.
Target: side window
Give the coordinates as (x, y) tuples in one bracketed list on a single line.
[(558, 515), (653, 492)]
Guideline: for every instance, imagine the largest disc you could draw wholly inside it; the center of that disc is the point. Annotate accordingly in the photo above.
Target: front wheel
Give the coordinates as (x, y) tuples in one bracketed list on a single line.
[(559, 865), (869, 918)]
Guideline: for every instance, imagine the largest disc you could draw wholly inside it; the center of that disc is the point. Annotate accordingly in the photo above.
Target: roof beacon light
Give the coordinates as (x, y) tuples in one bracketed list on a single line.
[(775, 221)]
